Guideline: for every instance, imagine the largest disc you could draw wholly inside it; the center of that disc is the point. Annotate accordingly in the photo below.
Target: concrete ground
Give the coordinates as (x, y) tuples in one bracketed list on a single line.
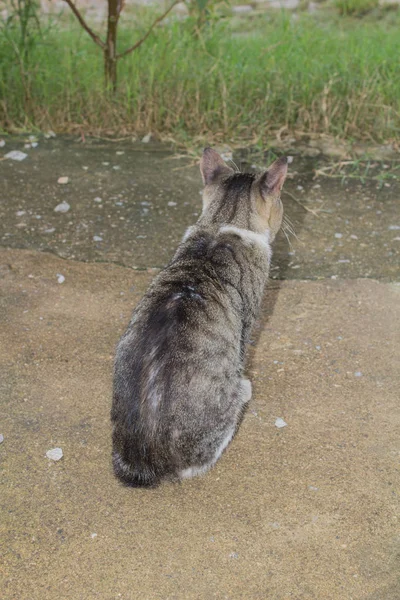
[(306, 512)]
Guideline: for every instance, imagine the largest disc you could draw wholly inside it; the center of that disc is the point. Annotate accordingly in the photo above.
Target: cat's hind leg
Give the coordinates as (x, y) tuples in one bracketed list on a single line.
[(245, 396), (201, 469)]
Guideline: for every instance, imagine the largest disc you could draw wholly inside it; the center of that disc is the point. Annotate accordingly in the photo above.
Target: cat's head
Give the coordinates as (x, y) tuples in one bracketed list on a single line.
[(244, 200)]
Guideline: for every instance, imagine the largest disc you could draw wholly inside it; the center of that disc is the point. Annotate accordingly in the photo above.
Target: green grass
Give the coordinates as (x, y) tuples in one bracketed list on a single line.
[(333, 77), (357, 8)]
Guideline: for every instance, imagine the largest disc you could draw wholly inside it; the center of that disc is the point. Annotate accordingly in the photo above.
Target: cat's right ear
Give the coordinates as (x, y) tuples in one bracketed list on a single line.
[(213, 167), (271, 181)]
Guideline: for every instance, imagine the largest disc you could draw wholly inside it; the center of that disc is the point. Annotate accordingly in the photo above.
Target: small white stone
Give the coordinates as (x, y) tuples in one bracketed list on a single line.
[(97, 199), (63, 207), (338, 235), (358, 374), (391, 227), (171, 203), (63, 180), (19, 213), (2, 143), (34, 144), (1, 438), (146, 139), (49, 134), (120, 152), (93, 535), (60, 278), (51, 230), (54, 454), (116, 167), (97, 238), (354, 237), (16, 155), (279, 423)]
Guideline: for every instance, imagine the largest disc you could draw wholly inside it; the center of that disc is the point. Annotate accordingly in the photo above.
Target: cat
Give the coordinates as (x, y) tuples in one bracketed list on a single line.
[(179, 392)]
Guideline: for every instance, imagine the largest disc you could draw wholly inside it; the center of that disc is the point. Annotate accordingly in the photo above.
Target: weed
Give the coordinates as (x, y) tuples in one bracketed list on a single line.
[(280, 74), (357, 8)]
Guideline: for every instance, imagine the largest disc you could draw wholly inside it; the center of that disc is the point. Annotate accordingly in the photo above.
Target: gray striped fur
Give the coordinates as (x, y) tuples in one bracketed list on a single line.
[(179, 392)]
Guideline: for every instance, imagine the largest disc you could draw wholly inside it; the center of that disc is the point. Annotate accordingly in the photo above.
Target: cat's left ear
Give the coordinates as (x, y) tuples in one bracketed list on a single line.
[(271, 181), (213, 167)]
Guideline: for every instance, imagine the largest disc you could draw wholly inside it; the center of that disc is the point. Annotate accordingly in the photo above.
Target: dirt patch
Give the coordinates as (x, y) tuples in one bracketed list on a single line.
[(305, 512)]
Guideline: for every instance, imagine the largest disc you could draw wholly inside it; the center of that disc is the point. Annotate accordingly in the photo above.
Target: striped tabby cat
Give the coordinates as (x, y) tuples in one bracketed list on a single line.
[(179, 391)]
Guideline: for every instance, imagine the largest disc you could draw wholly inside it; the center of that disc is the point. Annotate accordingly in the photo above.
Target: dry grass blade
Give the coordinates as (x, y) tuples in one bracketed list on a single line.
[(310, 210)]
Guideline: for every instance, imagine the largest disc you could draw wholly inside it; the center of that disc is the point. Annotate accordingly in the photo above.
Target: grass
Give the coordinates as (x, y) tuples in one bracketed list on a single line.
[(357, 8), (362, 170), (231, 82)]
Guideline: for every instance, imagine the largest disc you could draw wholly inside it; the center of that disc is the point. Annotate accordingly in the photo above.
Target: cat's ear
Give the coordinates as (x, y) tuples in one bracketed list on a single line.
[(213, 167), (271, 181)]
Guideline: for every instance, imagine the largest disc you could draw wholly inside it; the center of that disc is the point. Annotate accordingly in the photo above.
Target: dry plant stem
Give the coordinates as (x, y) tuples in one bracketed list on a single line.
[(110, 46), (85, 26), (144, 38), (310, 210), (110, 59)]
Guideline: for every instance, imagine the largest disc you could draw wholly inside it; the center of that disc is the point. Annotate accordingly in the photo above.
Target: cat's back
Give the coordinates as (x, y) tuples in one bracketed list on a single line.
[(192, 307)]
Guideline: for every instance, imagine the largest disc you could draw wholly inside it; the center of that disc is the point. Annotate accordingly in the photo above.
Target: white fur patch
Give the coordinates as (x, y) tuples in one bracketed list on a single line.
[(195, 471), (249, 237), (188, 233), (125, 468), (246, 390)]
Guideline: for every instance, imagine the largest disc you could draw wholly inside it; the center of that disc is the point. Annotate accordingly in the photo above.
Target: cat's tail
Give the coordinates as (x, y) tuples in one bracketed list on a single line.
[(132, 477)]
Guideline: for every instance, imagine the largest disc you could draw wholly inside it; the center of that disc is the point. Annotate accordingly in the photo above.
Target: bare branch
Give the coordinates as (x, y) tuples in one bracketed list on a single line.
[(85, 26), (140, 42)]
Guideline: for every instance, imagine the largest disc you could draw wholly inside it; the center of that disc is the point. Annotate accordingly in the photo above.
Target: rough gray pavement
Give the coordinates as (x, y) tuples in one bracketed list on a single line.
[(306, 512), (133, 208)]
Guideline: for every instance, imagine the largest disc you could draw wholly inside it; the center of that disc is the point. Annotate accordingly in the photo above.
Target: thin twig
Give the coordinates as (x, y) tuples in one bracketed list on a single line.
[(144, 38), (272, 47), (85, 26), (313, 212), (348, 176)]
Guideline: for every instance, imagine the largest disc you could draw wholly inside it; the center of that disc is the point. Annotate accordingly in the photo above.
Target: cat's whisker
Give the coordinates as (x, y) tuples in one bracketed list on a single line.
[(287, 225), (287, 220), (288, 239), (287, 231), (235, 165)]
